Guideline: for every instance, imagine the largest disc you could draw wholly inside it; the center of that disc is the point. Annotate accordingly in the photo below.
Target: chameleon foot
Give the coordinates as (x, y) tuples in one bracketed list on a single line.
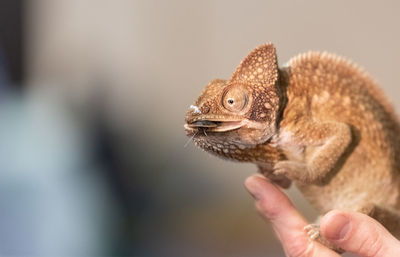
[(312, 231), (314, 234)]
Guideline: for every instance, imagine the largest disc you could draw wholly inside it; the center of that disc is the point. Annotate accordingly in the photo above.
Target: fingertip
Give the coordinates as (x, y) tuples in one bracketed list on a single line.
[(253, 184), (335, 225), (271, 201), (327, 219), (273, 205), (253, 179)]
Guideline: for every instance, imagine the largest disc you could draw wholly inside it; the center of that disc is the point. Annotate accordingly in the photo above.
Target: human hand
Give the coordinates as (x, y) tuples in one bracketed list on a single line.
[(354, 232)]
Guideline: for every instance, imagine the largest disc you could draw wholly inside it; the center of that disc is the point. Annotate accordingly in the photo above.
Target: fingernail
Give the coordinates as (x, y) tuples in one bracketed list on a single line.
[(259, 176), (251, 186), (338, 228)]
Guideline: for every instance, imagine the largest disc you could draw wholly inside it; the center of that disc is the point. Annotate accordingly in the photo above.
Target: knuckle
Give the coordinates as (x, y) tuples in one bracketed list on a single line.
[(371, 245), (377, 249), (264, 210), (299, 248)]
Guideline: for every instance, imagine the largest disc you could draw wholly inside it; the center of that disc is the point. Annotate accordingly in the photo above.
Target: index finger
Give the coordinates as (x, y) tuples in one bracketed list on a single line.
[(288, 224)]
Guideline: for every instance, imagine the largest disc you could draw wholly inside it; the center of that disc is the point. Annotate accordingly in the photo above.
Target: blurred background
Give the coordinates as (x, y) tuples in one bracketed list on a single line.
[(92, 101)]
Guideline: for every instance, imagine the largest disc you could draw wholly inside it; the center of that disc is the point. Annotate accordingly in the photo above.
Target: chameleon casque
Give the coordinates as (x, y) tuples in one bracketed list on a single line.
[(320, 121)]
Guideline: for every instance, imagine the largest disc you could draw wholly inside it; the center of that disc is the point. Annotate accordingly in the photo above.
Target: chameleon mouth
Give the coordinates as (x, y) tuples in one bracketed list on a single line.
[(213, 126)]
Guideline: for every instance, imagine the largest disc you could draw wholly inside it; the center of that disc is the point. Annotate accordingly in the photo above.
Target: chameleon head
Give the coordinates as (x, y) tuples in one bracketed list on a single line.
[(241, 112)]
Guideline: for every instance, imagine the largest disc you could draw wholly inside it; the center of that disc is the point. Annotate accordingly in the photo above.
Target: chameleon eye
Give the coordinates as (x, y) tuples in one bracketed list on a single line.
[(235, 99)]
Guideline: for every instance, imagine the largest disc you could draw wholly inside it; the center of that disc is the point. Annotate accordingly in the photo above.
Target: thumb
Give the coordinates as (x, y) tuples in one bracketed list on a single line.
[(359, 234)]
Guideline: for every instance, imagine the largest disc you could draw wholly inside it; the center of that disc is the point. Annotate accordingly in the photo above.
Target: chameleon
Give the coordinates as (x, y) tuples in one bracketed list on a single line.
[(320, 121)]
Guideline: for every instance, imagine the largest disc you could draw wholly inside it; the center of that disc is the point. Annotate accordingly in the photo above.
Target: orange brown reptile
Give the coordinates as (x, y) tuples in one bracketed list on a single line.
[(320, 121)]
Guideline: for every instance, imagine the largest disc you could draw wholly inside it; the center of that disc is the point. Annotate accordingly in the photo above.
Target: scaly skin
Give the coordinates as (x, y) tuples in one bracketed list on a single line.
[(321, 122)]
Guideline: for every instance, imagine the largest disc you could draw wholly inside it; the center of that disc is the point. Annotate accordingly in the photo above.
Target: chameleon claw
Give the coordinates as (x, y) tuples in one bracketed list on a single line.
[(312, 231)]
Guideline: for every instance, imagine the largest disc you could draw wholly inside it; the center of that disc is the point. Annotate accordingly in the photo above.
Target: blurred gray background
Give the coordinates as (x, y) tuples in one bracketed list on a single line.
[(93, 95)]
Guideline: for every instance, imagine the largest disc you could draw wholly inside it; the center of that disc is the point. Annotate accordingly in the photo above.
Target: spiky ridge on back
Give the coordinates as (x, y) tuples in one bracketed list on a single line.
[(335, 64), (326, 83)]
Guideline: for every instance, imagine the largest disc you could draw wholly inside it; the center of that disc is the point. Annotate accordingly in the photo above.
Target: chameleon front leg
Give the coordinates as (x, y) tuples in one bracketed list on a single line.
[(277, 179), (323, 143), (267, 160)]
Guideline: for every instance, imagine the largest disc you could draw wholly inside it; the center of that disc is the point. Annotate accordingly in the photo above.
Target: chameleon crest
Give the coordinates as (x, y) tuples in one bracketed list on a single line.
[(241, 111)]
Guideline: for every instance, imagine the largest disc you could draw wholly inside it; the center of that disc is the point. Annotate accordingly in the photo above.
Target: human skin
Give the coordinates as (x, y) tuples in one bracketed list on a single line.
[(351, 231)]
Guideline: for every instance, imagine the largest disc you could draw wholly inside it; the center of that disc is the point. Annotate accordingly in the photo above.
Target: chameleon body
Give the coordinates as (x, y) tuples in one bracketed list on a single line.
[(320, 121)]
